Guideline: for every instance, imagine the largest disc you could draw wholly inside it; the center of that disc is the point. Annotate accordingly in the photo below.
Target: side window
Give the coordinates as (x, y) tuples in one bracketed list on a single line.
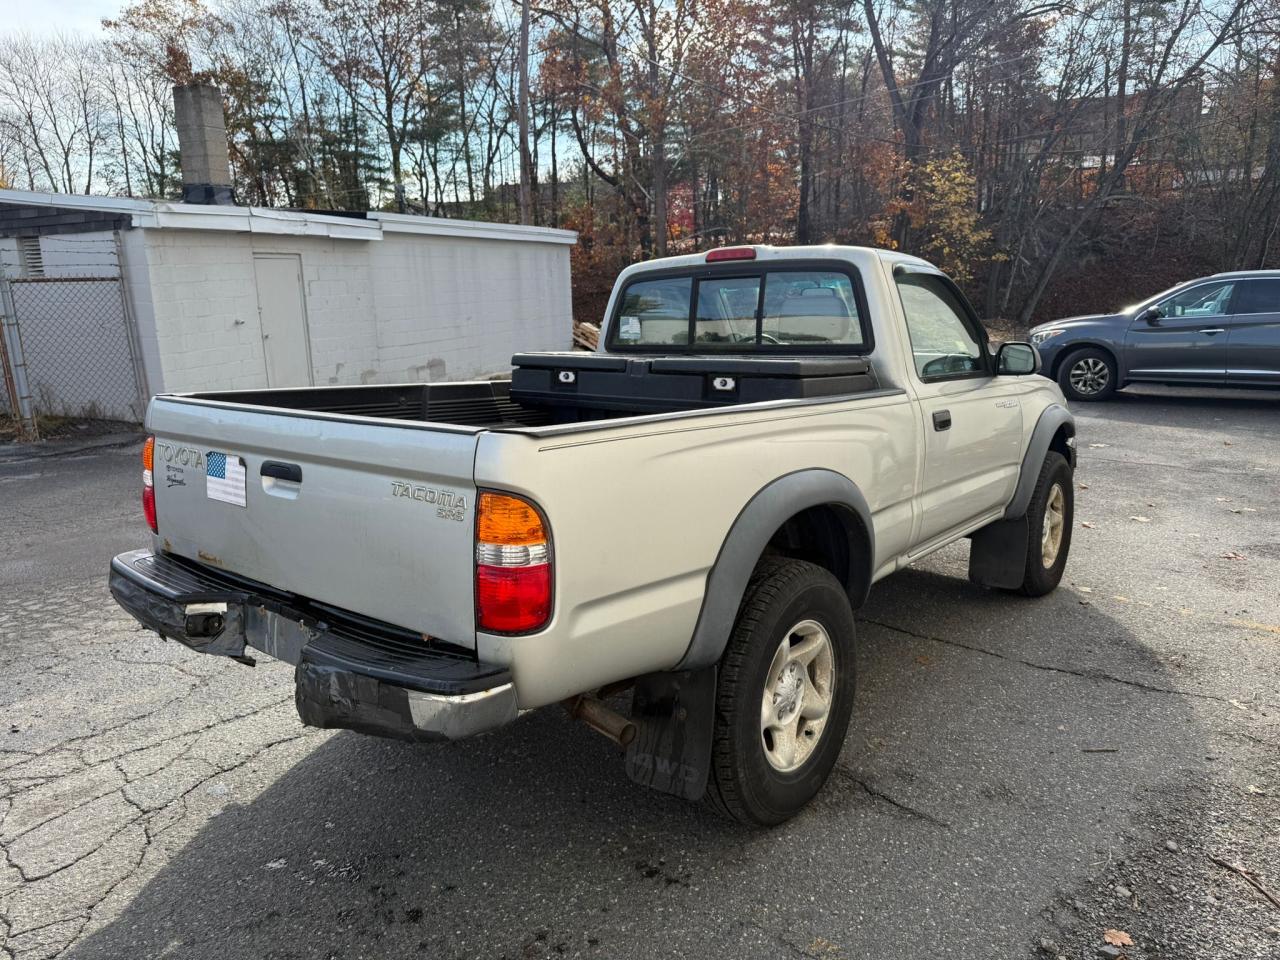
[(655, 312), (1257, 296), (942, 342), (1205, 300)]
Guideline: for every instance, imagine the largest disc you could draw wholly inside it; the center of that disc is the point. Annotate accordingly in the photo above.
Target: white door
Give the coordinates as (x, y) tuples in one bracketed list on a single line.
[(972, 422), (282, 315)]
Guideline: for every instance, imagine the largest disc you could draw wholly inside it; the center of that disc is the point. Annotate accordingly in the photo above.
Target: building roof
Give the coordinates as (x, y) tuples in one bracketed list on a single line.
[(165, 214)]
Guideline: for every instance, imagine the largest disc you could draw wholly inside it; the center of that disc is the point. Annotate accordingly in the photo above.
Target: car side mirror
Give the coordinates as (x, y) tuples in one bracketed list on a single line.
[(1016, 359), (1152, 316)]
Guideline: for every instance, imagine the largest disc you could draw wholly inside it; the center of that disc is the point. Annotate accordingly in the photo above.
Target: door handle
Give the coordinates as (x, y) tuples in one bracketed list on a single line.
[(942, 419), (282, 471), (1214, 330)]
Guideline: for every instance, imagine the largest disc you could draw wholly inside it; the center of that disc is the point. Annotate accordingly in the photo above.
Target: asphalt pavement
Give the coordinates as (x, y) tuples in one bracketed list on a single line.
[(1022, 778)]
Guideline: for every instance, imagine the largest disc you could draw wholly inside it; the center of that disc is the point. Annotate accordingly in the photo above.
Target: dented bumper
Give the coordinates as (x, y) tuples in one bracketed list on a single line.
[(350, 672)]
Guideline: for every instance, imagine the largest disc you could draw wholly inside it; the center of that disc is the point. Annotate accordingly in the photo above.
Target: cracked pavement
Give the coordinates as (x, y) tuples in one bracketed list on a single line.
[(1019, 776)]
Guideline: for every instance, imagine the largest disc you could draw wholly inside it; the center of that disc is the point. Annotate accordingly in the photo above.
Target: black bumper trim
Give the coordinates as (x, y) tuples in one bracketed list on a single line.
[(156, 588)]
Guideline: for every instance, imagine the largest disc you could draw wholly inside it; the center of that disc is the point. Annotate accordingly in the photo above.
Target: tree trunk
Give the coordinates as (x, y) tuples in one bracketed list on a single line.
[(525, 166)]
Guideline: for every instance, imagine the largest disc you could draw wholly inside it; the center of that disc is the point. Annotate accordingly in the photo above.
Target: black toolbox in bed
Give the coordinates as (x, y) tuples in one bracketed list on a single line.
[(596, 381)]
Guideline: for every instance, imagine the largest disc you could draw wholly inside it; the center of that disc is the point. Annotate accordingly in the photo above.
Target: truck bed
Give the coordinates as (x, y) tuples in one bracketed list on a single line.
[(483, 404), (549, 388), (289, 487)]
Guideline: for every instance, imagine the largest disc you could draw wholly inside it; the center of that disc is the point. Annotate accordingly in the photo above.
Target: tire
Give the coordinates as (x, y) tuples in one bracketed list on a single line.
[(1088, 374), (762, 774), (1052, 504)]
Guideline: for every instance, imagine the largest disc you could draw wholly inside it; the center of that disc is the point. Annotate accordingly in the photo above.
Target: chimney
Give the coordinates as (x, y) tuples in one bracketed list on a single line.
[(202, 144)]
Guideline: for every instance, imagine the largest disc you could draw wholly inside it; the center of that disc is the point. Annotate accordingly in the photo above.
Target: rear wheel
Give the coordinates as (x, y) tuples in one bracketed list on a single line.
[(1049, 518), (1088, 374), (784, 693)]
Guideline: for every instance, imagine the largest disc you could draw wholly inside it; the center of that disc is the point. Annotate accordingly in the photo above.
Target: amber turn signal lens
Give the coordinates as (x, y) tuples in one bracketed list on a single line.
[(508, 520), (149, 454)]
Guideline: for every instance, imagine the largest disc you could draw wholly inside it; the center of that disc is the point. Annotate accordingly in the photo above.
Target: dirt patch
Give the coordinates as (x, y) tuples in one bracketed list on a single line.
[(65, 428)]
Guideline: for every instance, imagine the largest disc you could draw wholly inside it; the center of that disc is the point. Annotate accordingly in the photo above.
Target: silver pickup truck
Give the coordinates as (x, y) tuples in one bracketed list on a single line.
[(690, 515)]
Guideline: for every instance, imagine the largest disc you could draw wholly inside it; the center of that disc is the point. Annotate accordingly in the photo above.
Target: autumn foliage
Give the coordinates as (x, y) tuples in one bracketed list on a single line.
[(1055, 159)]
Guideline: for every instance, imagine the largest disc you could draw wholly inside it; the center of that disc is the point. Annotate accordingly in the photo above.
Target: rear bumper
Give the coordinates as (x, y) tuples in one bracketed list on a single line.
[(350, 672)]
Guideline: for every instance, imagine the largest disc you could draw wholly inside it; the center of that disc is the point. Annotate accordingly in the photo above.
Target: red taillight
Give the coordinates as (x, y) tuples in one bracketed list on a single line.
[(731, 253), (149, 507), (513, 599), (148, 483), (513, 565)]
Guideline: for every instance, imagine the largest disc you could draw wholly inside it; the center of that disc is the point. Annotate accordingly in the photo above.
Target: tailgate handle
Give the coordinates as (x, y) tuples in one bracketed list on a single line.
[(282, 471)]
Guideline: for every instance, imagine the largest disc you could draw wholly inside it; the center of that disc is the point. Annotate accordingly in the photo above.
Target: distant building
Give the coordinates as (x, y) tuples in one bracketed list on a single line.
[(184, 297), (107, 301)]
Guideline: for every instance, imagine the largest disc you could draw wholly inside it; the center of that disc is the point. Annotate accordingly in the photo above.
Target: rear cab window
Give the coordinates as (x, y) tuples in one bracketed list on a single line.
[(744, 309)]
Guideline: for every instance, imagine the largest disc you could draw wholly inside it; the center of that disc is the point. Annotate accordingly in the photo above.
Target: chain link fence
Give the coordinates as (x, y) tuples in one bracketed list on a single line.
[(70, 347)]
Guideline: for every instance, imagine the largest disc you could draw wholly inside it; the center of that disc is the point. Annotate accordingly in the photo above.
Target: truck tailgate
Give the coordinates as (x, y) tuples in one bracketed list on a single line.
[(371, 516)]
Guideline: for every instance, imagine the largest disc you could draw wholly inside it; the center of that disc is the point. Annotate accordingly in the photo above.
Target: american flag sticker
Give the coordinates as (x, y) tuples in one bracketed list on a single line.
[(224, 477)]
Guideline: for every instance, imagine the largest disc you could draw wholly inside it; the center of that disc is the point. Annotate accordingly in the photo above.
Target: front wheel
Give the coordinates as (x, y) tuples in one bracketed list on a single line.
[(1088, 374), (784, 693), (1050, 515)]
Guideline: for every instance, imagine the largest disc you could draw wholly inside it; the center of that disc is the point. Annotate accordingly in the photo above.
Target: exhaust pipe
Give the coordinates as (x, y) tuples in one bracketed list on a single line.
[(601, 718)]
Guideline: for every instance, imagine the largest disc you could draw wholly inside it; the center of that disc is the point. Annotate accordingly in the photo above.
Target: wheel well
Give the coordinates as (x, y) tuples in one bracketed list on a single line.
[(1087, 345), (1061, 443), (833, 537)]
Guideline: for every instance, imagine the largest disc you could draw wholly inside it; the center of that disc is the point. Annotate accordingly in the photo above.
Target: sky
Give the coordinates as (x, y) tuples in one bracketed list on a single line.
[(71, 15)]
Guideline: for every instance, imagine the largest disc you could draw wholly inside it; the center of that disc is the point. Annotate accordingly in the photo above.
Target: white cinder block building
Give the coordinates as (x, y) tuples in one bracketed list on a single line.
[(185, 296)]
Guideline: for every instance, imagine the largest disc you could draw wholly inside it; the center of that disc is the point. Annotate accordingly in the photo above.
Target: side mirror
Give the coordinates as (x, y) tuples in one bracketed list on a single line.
[(1152, 315), (1016, 359)]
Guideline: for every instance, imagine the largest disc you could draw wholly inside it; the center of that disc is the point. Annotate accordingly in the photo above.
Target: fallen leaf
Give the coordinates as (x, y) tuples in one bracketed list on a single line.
[(1243, 510), (1087, 525), (1226, 443), (1118, 938), (1257, 791), (1232, 555), (1083, 486), (1099, 445), (1238, 705), (1254, 625), (924, 659), (1223, 499), (1141, 519), (1085, 589)]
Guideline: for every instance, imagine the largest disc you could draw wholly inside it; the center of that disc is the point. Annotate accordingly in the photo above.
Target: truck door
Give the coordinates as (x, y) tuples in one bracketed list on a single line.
[(972, 423)]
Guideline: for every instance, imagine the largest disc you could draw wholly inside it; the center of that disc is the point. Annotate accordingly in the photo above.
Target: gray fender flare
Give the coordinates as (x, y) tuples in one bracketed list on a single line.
[(1051, 418), (764, 513)]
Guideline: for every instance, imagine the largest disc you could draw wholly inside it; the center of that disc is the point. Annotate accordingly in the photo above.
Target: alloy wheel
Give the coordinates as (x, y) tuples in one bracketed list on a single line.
[(797, 695), (1054, 524), (1089, 376)]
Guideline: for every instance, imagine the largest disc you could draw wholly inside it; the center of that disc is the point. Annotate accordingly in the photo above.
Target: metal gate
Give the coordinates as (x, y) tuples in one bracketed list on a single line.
[(69, 347)]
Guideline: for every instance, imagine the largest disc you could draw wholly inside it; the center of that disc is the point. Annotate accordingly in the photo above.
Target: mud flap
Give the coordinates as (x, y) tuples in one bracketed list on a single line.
[(674, 715), (998, 554)]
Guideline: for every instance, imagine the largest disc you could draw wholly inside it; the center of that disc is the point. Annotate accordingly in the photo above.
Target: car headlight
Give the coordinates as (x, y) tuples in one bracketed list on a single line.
[(1040, 336)]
